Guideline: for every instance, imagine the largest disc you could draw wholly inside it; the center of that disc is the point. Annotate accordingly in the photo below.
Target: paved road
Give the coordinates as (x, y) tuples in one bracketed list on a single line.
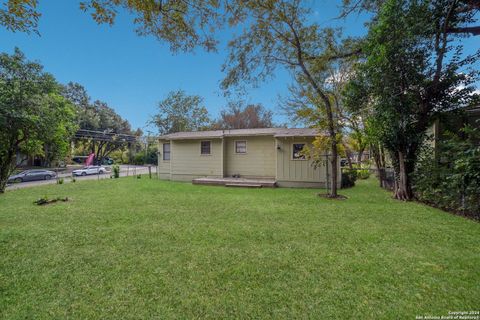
[(67, 177)]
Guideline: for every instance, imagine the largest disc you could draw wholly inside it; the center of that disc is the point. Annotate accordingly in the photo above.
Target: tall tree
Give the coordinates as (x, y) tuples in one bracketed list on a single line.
[(280, 33), (414, 69), (181, 112), (237, 116), (97, 116), (33, 115), (183, 24), (20, 15)]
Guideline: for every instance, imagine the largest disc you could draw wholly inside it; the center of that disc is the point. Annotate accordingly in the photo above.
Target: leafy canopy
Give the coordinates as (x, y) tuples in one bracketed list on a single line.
[(414, 69), (238, 116), (181, 112), (33, 114)]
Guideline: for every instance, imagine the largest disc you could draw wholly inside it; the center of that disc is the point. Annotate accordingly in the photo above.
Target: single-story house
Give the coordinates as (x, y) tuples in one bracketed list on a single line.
[(268, 153)]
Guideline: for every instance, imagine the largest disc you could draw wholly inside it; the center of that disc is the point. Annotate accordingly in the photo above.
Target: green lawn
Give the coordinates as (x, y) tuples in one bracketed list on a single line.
[(139, 248)]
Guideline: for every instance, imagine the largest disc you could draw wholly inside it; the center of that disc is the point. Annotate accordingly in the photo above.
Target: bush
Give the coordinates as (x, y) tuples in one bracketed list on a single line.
[(116, 171), (363, 171), (60, 181), (452, 180), (139, 159), (348, 178)]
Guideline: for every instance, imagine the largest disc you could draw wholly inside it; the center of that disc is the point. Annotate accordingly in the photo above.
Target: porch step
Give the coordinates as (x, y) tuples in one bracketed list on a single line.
[(236, 182), (243, 185)]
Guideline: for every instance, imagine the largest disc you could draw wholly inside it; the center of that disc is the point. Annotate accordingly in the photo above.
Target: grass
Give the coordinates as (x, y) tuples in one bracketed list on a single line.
[(139, 248)]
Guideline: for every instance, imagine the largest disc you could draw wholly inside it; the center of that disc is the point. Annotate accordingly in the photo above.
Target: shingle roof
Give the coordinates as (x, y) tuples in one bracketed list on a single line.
[(276, 132)]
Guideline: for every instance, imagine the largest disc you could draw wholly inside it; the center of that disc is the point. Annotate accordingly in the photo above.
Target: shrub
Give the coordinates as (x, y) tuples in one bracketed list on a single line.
[(363, 170), (348, 178), (363, 173), (116, 171), (74, 180), (139, 159), (60, 181), (139, 176), (451, 181)]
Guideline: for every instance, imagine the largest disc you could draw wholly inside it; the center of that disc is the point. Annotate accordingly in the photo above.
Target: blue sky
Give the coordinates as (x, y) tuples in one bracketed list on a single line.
[(133, 73)]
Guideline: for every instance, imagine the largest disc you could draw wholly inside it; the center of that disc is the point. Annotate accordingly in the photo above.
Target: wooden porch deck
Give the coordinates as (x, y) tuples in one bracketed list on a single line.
[(237, 182)]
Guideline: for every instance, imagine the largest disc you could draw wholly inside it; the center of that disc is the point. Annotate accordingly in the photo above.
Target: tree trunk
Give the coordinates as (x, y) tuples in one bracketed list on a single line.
[(403, 189), (6, 167), (3, 178), (328, 108), (349, 156), (334, 162), (360, 154), (379, 159)]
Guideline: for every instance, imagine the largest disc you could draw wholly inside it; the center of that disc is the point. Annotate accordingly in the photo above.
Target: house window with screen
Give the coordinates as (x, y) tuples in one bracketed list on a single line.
[(166, 151), (297, 151), (205, 147), (241, 146)]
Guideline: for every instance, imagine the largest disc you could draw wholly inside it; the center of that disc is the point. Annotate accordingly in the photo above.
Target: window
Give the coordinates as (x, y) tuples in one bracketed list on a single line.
[(240, 146), (298, 151), (205, 147), (166, 151)]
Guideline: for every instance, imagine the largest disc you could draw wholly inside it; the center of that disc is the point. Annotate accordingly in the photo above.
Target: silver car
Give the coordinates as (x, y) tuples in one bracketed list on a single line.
[(32, 175)]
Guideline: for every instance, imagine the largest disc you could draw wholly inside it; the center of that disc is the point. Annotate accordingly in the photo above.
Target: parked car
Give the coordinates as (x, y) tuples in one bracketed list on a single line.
[(79, 159), (107, 161), (89, 170), (32, 175)]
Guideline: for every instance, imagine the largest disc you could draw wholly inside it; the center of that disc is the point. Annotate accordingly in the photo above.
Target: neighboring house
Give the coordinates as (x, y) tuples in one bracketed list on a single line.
[(270, 153), (23, 160)]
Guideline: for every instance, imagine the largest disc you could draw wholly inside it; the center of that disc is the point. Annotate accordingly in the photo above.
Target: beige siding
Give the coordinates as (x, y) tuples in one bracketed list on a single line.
[(263, 159), (186, 159), (259, 161), (163, 165), (291, 172)]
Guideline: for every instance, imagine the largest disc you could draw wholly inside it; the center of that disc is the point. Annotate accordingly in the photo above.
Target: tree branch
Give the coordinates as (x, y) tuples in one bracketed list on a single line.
[(475, 31)]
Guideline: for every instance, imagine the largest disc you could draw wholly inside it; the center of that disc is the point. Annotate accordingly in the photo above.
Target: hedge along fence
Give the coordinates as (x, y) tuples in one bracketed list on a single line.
[(449, 178)]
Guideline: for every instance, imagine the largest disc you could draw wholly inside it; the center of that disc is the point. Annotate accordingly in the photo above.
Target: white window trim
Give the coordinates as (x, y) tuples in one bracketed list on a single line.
[(235, 147), (291, 153), (205, 154)]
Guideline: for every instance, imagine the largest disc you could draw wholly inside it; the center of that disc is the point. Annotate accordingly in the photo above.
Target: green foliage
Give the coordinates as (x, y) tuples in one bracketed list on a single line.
[(363, 170), (413, 68), (281, 34), (97, 116), (348, 178), (181, 112), (238, 116), (119, 156), (116, 171), (139, 159), (60, 181), (152, 155), (453, 181), (183, 24), (34, 117), (19, 15)]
